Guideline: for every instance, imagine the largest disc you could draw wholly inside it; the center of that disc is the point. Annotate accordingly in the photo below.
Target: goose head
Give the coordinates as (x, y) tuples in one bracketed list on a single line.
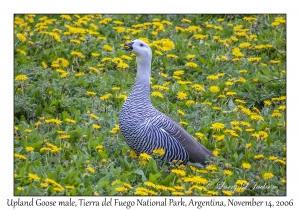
[(140, 48)]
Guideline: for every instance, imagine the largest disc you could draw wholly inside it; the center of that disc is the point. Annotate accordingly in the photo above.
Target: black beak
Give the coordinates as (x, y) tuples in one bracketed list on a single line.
[(128, 46)]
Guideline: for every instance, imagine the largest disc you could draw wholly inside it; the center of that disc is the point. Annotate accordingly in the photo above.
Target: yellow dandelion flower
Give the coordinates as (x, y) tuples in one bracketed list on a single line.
[(183, 123), (105, 59), (244, 45), (188, 102), (180, 112), (274, 61), (249, 19), (93, 69), (94, 116), (219, 137), (227, 192), (234, 122), (139, 192), (178, 193), (90, 169), (90, 93), (218, 126), (44, 185), (104, 97), (99, 147), (79, 74), (127, 185), (178, 172), (214, 89), (133, 154), (75, 41), (172, 56), (77, 54), (29, 149), (259, 156), (159, 151), (246, 165), (227, 172), (198, 87), (116, 88), (21, 37), (65, 137), (160, 87), (44, 64), (241, 182), (121, 189), (70, 120), (240, 189), (123, 65), (149, 184), (256, 117), (95, 126), (70, 187), (58, 189), (249, 129), (230, 93), (181, 95), (157, 94), (215, 153), (115, 130), (184, 82), (276, 114), (213, 77), (185, 20), (122, 96), (145, 156), (107, 48), (282, 107), (191, 64), (211, 168), (66, 17), (21, 77), (33, 176), (237, 53), (268, 176), (158, 52), (178, 72)]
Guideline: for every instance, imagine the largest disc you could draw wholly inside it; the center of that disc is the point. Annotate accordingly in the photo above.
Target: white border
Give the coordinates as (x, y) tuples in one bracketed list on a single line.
[(154, 6)]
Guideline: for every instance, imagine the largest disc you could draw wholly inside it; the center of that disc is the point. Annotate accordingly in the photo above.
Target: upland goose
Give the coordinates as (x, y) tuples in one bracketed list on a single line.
[(145, 128)]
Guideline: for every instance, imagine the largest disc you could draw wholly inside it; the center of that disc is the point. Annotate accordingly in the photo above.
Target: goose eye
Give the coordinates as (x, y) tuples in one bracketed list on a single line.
[(141, 45)]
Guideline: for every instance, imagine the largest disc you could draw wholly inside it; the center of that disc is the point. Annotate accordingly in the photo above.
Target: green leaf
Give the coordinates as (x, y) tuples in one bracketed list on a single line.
[(77, 115), (154, 177), (235, 155), (202, 60), (125, 163), (103, 182), (153, 166), (140, 172), (38, 111), (168, 180)]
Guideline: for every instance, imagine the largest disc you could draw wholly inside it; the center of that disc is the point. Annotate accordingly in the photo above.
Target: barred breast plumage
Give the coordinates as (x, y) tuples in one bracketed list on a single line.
[(144, 128)]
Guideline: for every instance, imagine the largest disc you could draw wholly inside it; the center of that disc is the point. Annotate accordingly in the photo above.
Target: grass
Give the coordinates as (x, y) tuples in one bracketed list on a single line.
[(222, 77)]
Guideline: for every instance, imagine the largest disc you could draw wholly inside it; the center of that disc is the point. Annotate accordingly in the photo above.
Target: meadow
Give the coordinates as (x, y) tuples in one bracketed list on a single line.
[(222, 77)]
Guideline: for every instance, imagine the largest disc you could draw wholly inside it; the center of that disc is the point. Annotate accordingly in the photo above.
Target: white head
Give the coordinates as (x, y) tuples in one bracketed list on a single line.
[(143, 59), (140, 48)]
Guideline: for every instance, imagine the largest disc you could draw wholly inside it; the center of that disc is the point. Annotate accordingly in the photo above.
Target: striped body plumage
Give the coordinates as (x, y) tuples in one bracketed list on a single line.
[(145, 129), (143, 126)]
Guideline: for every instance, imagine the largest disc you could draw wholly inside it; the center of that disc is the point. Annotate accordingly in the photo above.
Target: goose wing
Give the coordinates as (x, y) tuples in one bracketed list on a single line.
[(155, 136), (197, 152)]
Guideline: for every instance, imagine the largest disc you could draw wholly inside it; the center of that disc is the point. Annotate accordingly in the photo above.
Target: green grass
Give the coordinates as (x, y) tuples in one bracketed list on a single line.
[(67, 142)]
